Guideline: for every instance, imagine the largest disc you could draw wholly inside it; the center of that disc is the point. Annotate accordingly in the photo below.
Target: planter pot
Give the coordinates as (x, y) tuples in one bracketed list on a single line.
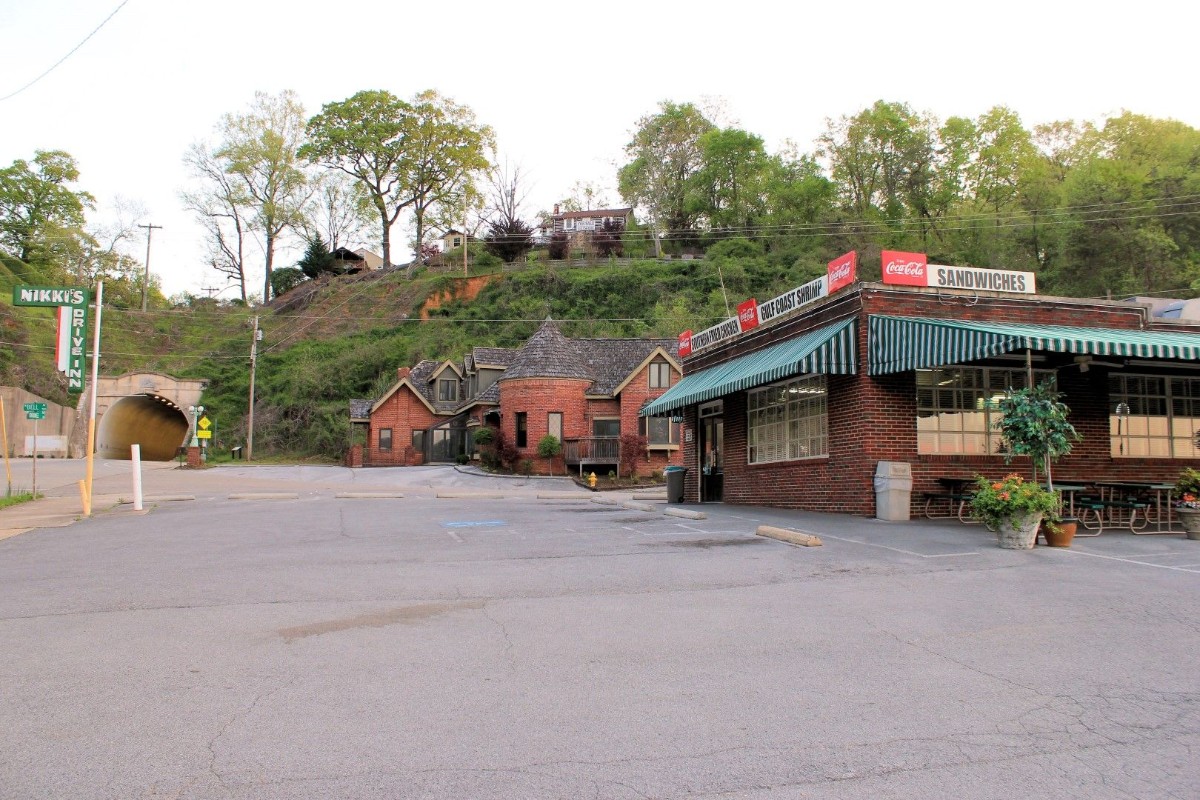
[(1020, 536), (1063, 536), (1190, 519)]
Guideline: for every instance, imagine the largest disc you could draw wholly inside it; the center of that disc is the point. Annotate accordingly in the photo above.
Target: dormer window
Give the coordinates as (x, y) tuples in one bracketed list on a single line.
[(447, 390), (660, 375)]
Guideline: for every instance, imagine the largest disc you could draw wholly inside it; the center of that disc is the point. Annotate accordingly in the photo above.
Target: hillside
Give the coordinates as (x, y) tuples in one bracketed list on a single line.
[(343, 337)]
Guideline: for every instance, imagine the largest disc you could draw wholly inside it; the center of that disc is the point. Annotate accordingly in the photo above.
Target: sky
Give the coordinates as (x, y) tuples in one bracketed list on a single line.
[(563, 85)]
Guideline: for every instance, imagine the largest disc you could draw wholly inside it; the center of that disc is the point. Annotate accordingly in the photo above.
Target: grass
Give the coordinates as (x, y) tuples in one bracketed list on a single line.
[(17, 498)]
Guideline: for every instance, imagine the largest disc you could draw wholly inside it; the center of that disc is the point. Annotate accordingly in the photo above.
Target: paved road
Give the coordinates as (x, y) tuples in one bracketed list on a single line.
[(420, 647)]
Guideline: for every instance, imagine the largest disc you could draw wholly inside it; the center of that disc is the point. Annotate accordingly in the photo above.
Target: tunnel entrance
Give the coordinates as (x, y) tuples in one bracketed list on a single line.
[(149, 420)]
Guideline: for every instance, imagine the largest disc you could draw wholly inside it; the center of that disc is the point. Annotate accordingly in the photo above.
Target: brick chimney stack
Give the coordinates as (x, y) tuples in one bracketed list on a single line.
[(556, 209), (403, 373)]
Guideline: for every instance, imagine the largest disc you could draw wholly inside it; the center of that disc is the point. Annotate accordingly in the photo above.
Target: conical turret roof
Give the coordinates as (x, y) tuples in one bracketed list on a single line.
[(549, 354)]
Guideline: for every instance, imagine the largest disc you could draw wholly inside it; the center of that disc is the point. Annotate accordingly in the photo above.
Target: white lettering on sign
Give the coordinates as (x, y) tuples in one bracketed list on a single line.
[(790, 301), (990, 280)]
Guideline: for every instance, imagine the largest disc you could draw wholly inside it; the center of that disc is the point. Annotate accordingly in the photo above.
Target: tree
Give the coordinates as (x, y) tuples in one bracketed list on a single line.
[(338, 210), (217, 206), (366, 137), (259, 149), (37, 203), (448, 152), (548, 448), (727, 189), (317, 259), (607, 240), (508, 240), (509, 237), (413, 156), (284, 279), (663, 155)]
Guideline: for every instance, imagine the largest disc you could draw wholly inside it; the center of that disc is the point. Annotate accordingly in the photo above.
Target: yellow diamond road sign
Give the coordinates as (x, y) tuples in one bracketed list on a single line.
[(204, 423)]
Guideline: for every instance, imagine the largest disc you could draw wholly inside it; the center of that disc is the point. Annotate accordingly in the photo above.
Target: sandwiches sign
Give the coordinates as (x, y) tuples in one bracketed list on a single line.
[(911, 269), (839, 273)]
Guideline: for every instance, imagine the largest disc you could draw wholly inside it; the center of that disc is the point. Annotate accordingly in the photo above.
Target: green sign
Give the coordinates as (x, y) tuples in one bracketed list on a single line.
[(35, 411), (72, 322)]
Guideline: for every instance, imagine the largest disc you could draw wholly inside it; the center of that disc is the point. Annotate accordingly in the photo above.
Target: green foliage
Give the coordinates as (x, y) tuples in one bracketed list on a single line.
[(1034, 424), (484, 436), (1187, 489), (1010, 500), (284, 279), (317, 259), (16, 498), (633, 448)]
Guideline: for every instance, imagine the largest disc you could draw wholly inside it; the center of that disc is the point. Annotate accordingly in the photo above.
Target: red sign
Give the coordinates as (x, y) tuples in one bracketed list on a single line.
[(748, 314), (906, 269), (685, 344), (842, 271)]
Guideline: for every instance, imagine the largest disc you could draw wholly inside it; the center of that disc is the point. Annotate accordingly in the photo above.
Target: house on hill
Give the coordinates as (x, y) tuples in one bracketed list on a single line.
[(580, 226), (585, 392)]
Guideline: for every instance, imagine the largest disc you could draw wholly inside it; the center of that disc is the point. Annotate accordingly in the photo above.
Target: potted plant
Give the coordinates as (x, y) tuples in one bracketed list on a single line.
[(1187, 502), (1034, 424), (1014, 508), (1059, 531)]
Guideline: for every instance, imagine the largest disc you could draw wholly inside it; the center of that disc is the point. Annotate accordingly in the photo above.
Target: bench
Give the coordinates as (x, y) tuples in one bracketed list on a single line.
[(1092, 512), (952, 499)]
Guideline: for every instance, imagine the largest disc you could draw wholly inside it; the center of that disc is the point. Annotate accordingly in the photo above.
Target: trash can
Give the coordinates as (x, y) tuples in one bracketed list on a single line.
[(675, 477), (893, 490)]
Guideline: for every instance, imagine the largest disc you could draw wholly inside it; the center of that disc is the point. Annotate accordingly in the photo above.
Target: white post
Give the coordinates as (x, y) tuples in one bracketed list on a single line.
[(35, 449), (135, 457)]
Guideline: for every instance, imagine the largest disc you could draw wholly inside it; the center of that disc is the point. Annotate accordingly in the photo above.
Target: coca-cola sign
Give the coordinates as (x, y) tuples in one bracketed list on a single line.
[(905, 269), (841, 272), (748, 314), (685, 344)]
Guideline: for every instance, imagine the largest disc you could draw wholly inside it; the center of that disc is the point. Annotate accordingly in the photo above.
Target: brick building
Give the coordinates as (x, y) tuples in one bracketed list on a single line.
[(585, 392), (799, 411)]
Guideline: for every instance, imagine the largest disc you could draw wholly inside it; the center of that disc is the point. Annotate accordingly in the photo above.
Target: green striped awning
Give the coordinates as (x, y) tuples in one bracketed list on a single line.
[(830, 349), (899, 344)]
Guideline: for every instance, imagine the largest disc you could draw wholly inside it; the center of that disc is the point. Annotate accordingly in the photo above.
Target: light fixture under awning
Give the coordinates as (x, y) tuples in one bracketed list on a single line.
[(830, 349)]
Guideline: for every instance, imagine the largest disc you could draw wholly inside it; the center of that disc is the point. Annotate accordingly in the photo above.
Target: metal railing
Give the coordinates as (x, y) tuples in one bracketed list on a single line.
[(592, 450)]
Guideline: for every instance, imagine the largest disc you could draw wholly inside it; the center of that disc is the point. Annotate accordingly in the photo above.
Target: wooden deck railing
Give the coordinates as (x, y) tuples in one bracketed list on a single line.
[(592, 450)]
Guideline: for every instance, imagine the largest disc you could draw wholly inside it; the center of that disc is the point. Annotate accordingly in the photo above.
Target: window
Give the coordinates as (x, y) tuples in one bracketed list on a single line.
[(554, 424), (455, 242), (1153, 416), (787, 421), (522, 429), (418, 441), (660, 375), (447, 389), (660, 432), (385, 438), (569, 224), (956, 407), (606, 428)]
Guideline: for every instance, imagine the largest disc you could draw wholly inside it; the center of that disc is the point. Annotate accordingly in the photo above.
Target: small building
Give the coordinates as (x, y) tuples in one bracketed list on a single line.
[(585, 392), (795, 402), (580, 226)]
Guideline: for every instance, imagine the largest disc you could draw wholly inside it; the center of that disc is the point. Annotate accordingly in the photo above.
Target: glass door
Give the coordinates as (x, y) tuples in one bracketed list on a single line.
[(712, 455)]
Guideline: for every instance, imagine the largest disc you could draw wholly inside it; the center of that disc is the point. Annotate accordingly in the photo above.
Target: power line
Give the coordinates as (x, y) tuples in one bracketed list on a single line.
[(56, 64)]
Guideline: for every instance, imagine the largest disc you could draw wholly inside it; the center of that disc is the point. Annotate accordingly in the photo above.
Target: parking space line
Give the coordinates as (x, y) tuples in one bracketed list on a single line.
[(899, 550), (1133, 561)]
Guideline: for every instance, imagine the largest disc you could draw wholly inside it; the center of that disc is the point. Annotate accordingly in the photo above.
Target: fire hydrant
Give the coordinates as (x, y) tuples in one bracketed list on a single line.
[(592, 480)]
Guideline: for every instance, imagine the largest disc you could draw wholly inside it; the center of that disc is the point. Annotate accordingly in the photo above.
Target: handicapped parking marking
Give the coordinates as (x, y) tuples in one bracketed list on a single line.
[(483, 523)]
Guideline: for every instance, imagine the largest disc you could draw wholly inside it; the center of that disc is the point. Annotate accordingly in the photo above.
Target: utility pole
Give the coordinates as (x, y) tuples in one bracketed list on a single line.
[(254, 339), (146, 283)]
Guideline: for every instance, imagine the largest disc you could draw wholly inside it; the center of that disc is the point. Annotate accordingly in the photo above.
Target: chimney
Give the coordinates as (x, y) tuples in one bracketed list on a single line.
[(556, 209), (402, 373)]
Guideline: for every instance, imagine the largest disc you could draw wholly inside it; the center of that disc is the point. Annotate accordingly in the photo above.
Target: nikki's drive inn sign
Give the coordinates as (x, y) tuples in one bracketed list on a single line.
[(751, 314), (72, 304), (910, 269)]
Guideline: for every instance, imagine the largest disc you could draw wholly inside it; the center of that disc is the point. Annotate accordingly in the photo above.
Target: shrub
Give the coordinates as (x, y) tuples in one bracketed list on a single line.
[(1010, 500), (484, 436), (527, 466), (462, 458), (548, 447), (559, 247), (633, 446)]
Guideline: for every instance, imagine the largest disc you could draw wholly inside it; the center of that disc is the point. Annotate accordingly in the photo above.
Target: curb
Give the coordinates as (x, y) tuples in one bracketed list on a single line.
[(789, 536)]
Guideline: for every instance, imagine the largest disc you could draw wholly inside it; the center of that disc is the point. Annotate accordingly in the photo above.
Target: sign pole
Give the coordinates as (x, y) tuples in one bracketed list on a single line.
[(91, 439), (35, 445), (4, 433)]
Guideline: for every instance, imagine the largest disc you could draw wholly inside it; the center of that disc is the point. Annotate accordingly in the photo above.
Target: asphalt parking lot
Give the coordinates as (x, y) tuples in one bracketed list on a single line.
[(490, 644)]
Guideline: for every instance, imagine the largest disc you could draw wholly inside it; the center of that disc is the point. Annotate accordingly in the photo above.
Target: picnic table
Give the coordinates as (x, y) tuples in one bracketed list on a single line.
[(1117, 497), (956, 493)]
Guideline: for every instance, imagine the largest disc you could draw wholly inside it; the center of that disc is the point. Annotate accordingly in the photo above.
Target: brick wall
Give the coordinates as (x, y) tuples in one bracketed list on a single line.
[(403, 412), (873, 418)]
